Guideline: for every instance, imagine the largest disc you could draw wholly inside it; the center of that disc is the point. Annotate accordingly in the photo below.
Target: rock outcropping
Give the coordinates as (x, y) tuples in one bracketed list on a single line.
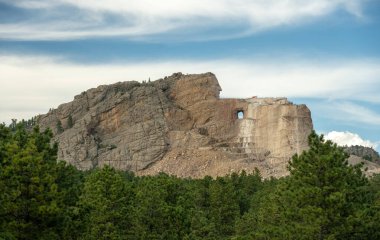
[(366, 153), (178, 125)]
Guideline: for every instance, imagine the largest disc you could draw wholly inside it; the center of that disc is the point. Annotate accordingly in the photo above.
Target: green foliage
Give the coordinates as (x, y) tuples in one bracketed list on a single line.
[(41, 198), (13, 125), (323, 198), (32, 200), (328, 187), (59, 127), (104, 203)]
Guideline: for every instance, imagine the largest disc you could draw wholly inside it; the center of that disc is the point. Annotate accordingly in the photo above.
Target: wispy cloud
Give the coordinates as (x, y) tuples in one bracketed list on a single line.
[(32, 84), (53, 19), (347, 117), (352, 112)]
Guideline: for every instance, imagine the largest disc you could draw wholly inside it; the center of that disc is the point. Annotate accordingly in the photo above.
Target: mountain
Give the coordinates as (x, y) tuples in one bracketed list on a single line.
[(178, 125), (366, 153), (368, 156)]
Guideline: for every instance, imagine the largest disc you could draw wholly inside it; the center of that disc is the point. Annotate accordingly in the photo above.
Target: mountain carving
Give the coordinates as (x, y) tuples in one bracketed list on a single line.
[(178, 125)]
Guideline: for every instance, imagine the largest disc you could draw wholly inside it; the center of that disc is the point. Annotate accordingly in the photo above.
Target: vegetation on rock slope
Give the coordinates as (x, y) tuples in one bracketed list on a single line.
[(364, 152), (323, 198)]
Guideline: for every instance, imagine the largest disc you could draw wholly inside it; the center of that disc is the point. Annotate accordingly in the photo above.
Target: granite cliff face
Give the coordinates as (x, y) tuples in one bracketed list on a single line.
[(178, 125)]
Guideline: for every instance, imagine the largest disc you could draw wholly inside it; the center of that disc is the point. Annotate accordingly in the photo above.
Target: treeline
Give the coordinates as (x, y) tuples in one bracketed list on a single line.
[(40, 198)]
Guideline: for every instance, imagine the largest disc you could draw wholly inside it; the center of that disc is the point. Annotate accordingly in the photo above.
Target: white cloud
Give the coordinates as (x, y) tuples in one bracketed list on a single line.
[(31, 85), (142, 18), (349, 139)]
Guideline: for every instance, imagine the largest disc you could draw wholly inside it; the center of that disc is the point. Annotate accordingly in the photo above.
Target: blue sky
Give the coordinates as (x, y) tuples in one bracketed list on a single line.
[(324, 53)]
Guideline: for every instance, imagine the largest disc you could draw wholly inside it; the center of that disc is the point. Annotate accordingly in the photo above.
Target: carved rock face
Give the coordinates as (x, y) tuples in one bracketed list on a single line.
[(179, 125)]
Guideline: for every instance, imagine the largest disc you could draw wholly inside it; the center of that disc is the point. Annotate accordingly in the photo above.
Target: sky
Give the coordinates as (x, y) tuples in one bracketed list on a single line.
[(322, 53)]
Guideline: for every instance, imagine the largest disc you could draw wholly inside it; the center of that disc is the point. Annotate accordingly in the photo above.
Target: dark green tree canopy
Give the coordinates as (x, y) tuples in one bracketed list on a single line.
[(321, 199), (33, 199), (42, 198)]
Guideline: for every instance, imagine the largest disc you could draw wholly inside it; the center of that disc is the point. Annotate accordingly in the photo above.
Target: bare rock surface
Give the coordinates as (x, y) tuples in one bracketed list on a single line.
[(369, 168), (178, 125)]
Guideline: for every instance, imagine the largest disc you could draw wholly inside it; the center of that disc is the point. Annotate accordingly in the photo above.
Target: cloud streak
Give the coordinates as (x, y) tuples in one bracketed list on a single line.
[(358, 113), (71, 19)]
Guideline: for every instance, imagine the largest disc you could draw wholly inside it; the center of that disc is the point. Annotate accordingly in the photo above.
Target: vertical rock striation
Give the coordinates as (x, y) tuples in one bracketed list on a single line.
[(178, 125)]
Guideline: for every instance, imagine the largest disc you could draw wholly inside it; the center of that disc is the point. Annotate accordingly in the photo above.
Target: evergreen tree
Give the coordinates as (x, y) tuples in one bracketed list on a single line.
[(70, 184), (323, 198), (30, 197), (320, 199), (202, 226), (104, 202), (161, 208), (224, 207), (59, 126), (5, 135), (13, 125), (367, 220)]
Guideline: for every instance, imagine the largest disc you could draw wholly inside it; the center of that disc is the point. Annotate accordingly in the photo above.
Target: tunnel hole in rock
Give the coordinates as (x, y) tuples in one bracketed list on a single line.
[(240, 114)]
